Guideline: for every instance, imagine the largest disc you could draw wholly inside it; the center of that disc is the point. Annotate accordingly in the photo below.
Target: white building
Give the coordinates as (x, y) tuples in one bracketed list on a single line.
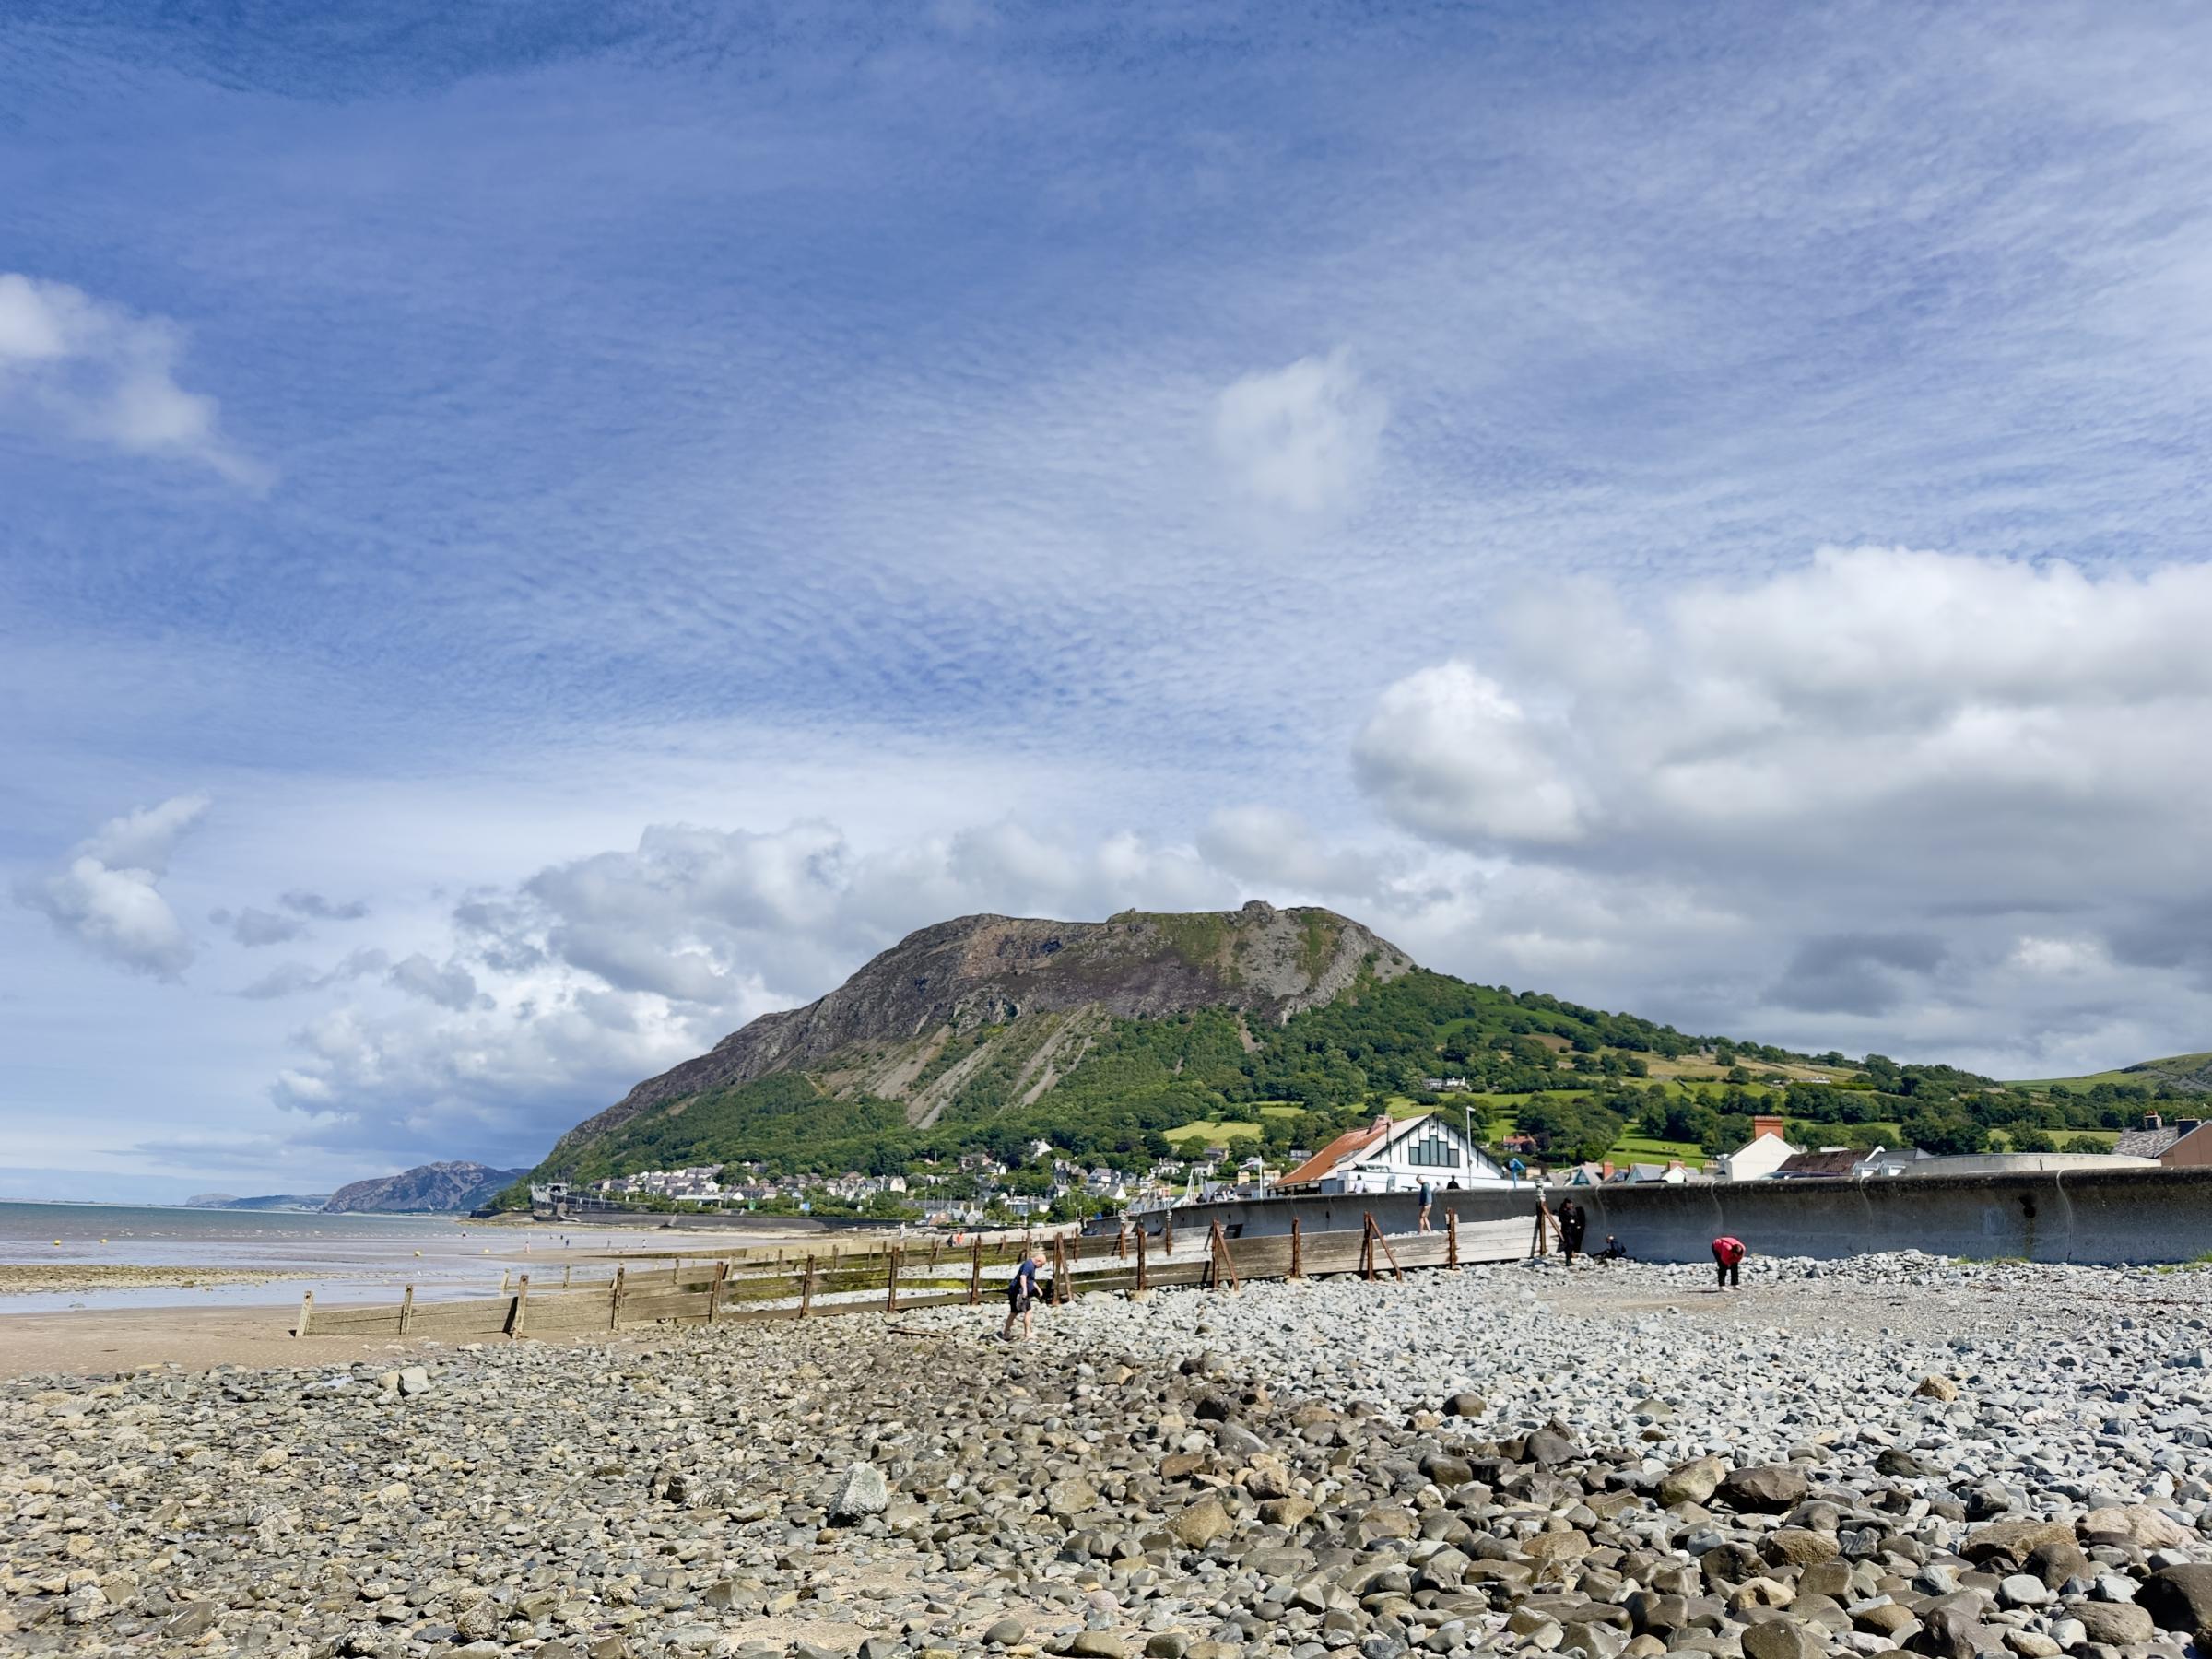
[(1758, 1161), (1396, 1155)]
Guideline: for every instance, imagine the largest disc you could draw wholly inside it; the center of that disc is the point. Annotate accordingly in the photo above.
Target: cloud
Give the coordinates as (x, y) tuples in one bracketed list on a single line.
[(1856, 973), (1989, 731), (1274, 847), (323, 909), (452, 986), (253, 928), (108, 895), (1905, 789), (100, 375), (1302, 438), (292, 978), (1448, 753)]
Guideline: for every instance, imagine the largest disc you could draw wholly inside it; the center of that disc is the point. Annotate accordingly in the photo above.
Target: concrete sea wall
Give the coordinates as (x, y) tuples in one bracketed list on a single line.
[(2090, 1215)]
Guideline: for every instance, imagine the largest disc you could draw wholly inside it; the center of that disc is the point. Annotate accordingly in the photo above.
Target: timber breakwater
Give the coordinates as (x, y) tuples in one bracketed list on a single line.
[(1897, 1453)]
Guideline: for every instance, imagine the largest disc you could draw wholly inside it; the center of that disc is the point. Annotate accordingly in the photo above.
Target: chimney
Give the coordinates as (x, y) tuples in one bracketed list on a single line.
[(1767, 1124), (2152, 1121), (2188, 1125)]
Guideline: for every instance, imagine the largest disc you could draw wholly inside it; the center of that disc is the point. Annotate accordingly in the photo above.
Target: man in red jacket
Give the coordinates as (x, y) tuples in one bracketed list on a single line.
[(1727, 1260)]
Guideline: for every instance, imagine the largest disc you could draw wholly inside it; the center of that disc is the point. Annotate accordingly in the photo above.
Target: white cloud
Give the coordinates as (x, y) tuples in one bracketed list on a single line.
[(1268, 846), (108, 895), (1946, 805), (1980, 727), (97, 373), (1450, 754), (1302, 438)]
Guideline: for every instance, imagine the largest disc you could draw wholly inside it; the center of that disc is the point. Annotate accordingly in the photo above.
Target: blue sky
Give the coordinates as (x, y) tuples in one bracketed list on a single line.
[(620, 512)]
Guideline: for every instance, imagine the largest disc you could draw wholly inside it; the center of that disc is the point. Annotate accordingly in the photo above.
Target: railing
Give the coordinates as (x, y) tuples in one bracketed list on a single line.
[(813, 1281)]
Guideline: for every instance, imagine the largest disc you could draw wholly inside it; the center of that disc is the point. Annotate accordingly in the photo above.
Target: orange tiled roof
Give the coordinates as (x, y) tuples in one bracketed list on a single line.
[(1335, 1152)]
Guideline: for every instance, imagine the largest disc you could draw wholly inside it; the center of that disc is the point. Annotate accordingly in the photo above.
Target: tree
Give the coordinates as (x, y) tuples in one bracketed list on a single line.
[(2028, 1138)]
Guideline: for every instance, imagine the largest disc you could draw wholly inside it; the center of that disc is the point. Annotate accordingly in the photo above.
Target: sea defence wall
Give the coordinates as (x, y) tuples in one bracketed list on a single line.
[(2093, 1215)]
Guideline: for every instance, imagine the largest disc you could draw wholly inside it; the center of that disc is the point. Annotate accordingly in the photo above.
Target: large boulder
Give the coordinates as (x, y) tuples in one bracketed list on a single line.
[(1768, 1489), (1200, 1525), (2179, 1598), (1691, 1482), (862, 1492)]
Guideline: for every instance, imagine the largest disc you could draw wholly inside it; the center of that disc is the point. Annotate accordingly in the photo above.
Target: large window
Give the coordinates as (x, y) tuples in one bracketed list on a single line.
[(1433, 1149)]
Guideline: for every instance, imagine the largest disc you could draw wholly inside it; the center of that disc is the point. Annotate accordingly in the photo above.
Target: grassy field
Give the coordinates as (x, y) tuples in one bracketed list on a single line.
[(1192, 1137), (2149, 1073)]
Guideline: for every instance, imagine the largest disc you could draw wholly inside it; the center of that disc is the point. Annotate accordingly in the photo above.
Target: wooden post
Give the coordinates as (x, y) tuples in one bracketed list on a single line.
[(1451, 1237), (407, 1310), (307, 1312), (722, 1271), (1223, 1258), (1063, 1274), (614, 1301), (1166, 1235), (520, 1312), (807, 1288), (567, 1270), (1367, 1247), (1121, 1241), (1391, 1254), (1140, 1258), (1298, 1264), (502, 1281), (975, 1272), (891, 1281)]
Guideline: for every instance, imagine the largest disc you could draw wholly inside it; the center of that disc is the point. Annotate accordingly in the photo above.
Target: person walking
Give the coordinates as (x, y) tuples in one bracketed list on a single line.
[(1727, 1261), (1574, 1224), (1428, 1198), (1021, 1296)]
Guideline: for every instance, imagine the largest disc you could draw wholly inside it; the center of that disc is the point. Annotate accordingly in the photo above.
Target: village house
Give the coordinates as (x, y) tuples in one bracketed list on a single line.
[(1395, 1155)]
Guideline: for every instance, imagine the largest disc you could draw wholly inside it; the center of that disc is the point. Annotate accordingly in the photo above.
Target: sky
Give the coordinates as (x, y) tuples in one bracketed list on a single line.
[(533, 533)]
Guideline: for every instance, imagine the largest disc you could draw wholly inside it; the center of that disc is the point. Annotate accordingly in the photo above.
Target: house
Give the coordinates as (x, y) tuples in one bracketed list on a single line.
[(1759, 1157), (1395, 1155), (1831, 1163), (2181, 1143), (1670, 1174)]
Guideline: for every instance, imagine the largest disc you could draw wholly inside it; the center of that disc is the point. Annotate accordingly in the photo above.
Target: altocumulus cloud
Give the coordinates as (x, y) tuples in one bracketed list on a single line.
[(99, 374), (108, 895)]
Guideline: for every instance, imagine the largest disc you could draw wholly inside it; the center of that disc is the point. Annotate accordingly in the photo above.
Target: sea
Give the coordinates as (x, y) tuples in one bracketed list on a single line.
[(342, 1257)]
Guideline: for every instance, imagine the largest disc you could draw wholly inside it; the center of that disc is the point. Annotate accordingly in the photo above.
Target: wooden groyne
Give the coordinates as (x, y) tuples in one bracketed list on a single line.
[(710, 1287)]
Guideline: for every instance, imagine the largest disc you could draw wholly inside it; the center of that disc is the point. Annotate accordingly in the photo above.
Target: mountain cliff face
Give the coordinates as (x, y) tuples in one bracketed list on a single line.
[(437, 1188), (1027, 998)]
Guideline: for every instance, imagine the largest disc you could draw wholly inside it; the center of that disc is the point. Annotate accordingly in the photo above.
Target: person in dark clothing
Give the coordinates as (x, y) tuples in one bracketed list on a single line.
[(1572, 1225), (1728, 1261), (1428, 1198), (1612, 1252), (1021, 1296)]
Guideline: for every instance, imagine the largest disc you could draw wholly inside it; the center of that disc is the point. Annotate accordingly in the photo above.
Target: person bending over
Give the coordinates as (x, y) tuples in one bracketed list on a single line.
[(1727, 1261)]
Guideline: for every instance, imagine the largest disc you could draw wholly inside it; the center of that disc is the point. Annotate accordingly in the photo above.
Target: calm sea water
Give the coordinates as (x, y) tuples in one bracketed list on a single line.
[(345, 1258)]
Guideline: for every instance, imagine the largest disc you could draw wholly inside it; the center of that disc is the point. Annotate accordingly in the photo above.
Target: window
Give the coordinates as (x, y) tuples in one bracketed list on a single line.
[(1433, 1149)]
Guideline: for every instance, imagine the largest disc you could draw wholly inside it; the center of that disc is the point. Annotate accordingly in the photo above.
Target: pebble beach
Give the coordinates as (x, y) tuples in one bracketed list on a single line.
[(1895, 1453)]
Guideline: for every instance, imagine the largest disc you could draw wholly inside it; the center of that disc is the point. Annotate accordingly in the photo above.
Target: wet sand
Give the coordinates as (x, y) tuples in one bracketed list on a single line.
[(104, 1342)]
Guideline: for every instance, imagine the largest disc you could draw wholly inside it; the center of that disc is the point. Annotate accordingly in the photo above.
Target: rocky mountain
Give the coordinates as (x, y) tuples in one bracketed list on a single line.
[(434, 1188), (992, 1012), (267, 1201)]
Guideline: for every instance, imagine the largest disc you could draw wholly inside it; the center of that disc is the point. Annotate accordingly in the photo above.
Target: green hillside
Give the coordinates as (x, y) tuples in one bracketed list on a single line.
[(2187, 1073), (1587, 1082)]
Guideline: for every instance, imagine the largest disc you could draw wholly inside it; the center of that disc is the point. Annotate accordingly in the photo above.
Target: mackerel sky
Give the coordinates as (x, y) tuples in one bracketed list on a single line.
[(534, 533)]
